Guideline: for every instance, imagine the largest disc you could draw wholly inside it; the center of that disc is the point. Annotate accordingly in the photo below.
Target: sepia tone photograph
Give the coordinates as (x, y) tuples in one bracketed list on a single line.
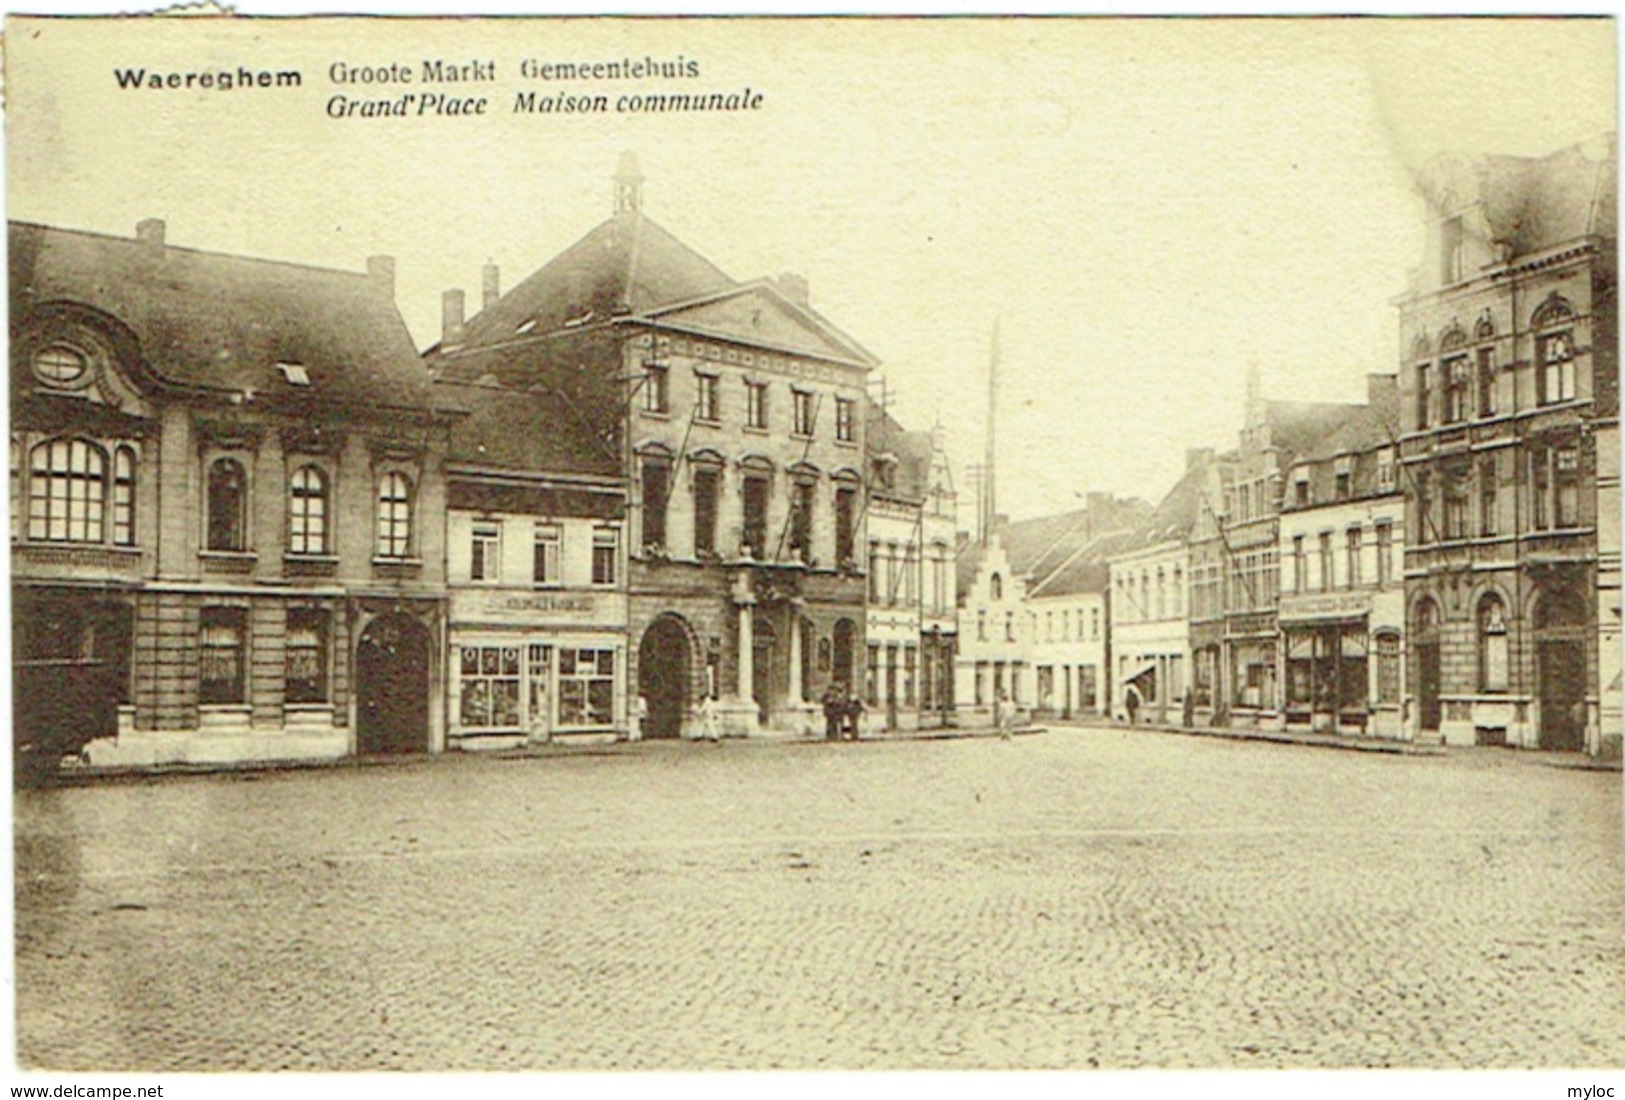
[(578, 544)]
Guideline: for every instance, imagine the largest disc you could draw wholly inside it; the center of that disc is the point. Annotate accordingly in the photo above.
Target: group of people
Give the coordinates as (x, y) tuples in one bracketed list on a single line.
[(843, 713)]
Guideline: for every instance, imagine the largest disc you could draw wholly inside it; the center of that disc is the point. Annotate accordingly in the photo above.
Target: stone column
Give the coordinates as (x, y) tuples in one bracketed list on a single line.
[(745, 660), (795, 656)]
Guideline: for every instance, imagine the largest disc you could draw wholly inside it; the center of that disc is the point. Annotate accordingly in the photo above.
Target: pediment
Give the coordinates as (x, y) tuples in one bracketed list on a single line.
[(760, 315)]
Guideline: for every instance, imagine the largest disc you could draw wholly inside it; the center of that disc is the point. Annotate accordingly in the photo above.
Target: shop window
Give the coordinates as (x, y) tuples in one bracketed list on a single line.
[(124, 497), (305, 671), (544, 566), (221, 639), (488, 688), (394, 515), (586, 688), (227, 505), (605, 555), (707, 492), (307, 511), (485, 553), (1493, 653)]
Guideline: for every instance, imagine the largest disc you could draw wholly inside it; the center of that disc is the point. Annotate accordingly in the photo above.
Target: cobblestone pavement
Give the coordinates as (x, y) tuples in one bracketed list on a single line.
[(1072, 899)]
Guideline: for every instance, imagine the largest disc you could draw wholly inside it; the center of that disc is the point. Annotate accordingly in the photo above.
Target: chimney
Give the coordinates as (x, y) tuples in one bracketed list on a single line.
[(1195, 456), (150, 232), (451, 318), (795, 288), (381, 270), (490, 286)]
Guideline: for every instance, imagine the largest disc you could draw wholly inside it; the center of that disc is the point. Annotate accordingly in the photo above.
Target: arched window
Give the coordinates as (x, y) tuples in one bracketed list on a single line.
[(1554, 350), (66, 491), (307, 511), (995, 587), (124, 497), (1493, 650), (394, 516), (227, 505)]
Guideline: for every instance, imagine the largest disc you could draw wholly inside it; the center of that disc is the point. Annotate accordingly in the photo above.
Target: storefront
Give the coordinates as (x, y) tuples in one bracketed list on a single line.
[(1250, 641), (1341, 673), (561, 674)]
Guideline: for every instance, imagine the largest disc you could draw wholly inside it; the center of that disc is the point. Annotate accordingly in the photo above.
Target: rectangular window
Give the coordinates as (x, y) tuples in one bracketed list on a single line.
[(1354, 557), (1300, 490), (707, 491), (1540, 487), (305, 672), (656, 392), (910, 660), (1300, 566), (845, 424), (801, 516), (123, 498), (871, 682), (1555, 354), (222, 636), (876, 579), (1424, 383), (803, 405), (586, 688), (605, 552), (1567, 480), (708, 397), (656, 496), (1488, 493), (1385, 545), (1327, 566), (1453, 373), (1343, 486), (485, 553), (756, 404), (755, 527), (1387, 668), (1486, 382), (544, 568), (1385, 470), (845, 524)]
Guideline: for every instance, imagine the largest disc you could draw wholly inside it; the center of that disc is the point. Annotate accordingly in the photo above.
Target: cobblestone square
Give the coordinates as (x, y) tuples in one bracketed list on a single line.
[(1066, 900)]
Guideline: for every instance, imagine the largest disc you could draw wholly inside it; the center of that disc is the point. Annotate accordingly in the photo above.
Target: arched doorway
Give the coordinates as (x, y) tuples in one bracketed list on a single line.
[(1560, 665), (664, 674), (1425, 641), (392, 686), (845, 645)]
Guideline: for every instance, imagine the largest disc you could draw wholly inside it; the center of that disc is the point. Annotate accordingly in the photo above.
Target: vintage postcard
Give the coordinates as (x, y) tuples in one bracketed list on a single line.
[(814, 544)]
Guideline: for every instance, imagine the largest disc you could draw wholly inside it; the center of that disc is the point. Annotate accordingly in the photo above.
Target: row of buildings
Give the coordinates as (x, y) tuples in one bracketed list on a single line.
[(1438, 563), (629, 497), (634, 497)]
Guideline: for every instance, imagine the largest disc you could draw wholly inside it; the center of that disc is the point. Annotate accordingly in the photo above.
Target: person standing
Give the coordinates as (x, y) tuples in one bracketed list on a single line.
[(854, 715), (1004, 715), (834, 711)]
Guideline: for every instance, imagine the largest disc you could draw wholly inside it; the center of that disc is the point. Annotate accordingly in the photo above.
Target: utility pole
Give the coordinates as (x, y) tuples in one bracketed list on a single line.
[(988, 502)]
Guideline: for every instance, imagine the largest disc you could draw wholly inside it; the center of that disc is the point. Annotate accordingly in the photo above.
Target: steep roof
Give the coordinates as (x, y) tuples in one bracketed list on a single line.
[(224, 322), (1368, 426), (531, 431), (1298, 426), (1086, 570), (628, 264), (912, 449), (1534, 203)]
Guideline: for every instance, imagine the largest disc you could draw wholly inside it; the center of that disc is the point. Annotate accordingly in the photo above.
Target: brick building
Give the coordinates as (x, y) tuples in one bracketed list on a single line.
[(227, 505), (736, 413), (1509, 383)]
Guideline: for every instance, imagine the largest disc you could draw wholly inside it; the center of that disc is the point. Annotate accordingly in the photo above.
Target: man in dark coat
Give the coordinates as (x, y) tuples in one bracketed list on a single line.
[(834, 711)]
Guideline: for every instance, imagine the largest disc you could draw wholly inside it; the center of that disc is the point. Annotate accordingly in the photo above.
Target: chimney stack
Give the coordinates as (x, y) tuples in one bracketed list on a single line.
[(451, 318), (150, 231), (795, 288), (381, 270), (490, 286)]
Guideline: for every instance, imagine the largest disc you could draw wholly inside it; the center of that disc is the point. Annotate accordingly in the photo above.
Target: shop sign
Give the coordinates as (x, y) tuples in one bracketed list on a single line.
[(1326, 605), (528, 607)]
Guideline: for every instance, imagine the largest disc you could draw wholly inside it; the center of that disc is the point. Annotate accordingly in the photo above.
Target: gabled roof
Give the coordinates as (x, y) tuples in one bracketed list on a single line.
[(526, 431), (913, 451), (224, 322), (628, 264), (1365, 428), (1086, 570), (1298, 426)]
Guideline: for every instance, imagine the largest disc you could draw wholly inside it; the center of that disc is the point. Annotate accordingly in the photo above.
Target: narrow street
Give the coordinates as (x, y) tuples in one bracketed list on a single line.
[(1070, 899)]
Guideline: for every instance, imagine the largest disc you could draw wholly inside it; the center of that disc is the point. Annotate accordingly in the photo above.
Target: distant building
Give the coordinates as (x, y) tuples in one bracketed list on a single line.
[(1014, 591), (1342, 604), (536, 574), (1509, 387), (228, 505), (737, 414), (1151, 591)]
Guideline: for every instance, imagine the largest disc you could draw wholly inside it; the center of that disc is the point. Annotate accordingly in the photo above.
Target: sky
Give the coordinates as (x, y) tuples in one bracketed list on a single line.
[(1147, 207)]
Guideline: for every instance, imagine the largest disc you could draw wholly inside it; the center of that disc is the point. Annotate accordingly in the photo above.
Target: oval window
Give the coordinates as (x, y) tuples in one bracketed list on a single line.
[(59, 364)]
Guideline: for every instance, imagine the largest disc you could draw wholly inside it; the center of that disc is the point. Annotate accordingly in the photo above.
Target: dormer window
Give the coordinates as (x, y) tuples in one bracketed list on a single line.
[(60, 365), (1344, 474)]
